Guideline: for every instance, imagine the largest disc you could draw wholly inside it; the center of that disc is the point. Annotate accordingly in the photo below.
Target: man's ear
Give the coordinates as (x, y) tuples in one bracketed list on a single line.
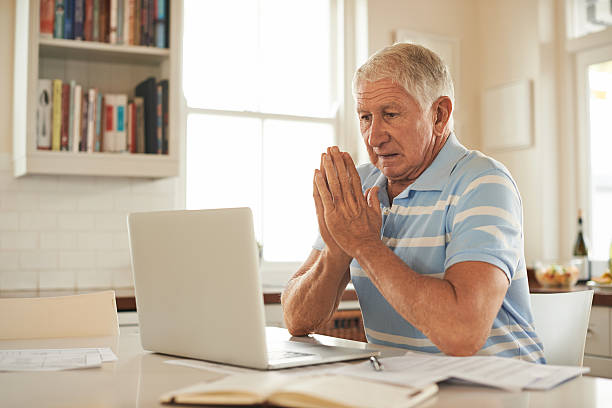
[(443, 108)]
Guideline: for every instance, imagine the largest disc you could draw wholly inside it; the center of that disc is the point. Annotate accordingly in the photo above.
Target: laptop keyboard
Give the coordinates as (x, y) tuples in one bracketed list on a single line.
[(276, 355)]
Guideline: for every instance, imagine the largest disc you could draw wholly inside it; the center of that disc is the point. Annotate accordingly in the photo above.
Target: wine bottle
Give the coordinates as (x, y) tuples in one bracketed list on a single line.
[(581, 253)]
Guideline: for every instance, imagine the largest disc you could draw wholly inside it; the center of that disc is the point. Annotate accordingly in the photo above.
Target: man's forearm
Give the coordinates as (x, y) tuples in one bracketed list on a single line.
[(313, 294), (432, 305)]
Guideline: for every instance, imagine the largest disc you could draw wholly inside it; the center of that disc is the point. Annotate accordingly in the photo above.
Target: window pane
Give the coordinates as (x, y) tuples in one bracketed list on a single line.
[(295, 50), (220, 52), (223, 165), (267, 55), (600, 106), (292, 150)]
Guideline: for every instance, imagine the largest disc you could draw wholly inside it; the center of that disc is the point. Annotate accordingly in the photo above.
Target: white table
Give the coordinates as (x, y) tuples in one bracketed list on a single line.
[(138, 378)]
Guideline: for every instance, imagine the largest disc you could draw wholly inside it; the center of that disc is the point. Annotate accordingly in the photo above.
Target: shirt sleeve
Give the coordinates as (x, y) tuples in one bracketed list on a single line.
[(486, 224)]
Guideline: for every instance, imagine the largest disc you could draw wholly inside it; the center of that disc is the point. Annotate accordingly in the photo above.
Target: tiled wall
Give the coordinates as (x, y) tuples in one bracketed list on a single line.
[(68, 231)]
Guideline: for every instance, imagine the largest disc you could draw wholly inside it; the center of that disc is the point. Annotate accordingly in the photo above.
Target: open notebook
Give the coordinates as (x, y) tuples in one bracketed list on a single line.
[(330, 391)]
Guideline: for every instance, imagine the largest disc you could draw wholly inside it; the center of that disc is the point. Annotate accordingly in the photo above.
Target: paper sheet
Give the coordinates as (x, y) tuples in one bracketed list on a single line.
[(228, 369), (54, 359), (418, 370)]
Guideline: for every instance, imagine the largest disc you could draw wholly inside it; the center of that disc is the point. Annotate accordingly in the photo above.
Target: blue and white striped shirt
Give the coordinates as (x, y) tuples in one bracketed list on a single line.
[(464, 207)]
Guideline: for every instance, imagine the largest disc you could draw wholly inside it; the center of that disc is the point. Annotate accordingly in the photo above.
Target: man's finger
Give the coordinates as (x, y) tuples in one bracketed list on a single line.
[(355, 179), (372, 198), (332, 180), (321, 186), (343, 177)]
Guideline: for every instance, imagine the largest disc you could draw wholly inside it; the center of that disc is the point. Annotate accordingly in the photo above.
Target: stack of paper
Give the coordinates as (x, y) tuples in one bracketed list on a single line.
[(418, 370), (54, 359)]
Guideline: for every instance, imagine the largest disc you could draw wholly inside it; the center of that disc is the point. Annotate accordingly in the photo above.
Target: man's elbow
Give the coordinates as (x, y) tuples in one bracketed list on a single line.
[(463, 345)]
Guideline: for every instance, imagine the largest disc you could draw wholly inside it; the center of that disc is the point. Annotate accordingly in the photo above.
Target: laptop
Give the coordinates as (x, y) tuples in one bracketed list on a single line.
[(199, 294)]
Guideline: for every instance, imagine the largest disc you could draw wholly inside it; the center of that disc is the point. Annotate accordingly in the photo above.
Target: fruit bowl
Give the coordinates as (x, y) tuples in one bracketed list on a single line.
[(556, 276)]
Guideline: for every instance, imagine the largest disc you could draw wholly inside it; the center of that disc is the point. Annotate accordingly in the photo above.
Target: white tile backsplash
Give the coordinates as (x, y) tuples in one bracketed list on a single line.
[(64, 232)]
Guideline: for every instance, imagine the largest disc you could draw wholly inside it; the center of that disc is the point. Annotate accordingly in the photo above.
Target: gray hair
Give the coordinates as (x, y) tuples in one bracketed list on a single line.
[(420, 71)]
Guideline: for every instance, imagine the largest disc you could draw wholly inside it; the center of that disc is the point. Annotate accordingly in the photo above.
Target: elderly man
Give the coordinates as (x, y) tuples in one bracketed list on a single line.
[(430, 232)]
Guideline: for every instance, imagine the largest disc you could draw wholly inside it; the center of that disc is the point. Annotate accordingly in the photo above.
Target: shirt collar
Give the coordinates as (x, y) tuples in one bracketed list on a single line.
[(436, 176)]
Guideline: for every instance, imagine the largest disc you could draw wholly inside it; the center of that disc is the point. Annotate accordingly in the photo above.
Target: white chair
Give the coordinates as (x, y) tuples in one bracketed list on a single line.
[(85, 315), (561, 322)]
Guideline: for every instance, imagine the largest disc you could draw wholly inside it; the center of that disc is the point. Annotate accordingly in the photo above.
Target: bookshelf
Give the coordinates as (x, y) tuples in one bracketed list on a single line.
[(110, 68)]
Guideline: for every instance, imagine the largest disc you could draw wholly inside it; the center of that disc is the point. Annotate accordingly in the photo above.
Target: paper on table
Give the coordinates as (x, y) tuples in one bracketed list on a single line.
[(228, 369), (418, 370), (54, 359)]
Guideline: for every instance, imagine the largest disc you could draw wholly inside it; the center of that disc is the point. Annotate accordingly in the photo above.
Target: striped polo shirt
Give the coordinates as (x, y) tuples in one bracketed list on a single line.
[(464, 207)]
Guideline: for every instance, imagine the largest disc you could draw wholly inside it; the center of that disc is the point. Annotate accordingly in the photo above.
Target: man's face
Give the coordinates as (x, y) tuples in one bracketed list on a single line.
[(397, 133)]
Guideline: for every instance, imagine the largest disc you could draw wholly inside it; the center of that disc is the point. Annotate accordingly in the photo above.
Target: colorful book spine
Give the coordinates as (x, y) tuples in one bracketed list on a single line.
[(120, 24), (91, 119), (44, 114), (159, 119), (65, 116), (69, 19), (137, 19), (95, 33), (112, 25), (71, 115), (131, 128), (104, 5), (140, 125), (84, 121), (151, 24), (47, 17), (88, 21), (98, 121), (58, 24), (121, 121), (109, 124), (79, 19), (164, 102), (144, 15), (57, 115), (127, 35), (160, 24), (76, 116)]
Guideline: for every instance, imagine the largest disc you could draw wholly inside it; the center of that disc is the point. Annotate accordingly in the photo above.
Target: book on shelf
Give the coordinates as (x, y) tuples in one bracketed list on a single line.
[(71, 118), (147, 90), (57, 115), (47, 11), (128, 22), (312, 391), (58, 23), (44, 114)]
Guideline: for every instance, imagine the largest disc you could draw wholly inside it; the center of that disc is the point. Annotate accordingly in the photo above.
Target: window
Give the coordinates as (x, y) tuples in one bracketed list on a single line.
[(588, 16), (260, 81), (600, 106)]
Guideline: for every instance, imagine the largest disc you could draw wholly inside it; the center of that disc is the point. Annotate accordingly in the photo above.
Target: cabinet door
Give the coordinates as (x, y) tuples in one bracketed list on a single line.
[(598, 335)]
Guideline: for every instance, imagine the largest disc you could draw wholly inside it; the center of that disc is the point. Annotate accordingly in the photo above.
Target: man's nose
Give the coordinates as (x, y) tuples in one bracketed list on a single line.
[(378, 134)]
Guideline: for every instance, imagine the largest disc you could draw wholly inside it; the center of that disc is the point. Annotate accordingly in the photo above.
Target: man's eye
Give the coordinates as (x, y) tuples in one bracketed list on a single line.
[(365, 117), (391, 114)]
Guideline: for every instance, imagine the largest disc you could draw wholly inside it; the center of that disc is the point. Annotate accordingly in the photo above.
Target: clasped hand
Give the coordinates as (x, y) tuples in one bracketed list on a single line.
[(348, 219)]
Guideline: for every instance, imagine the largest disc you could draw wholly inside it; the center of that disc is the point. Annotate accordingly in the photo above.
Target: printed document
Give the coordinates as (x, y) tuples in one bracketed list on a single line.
[(54, 359), (418, 370)]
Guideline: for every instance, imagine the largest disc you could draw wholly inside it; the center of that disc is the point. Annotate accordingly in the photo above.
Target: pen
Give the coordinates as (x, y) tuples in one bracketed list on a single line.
[(376, 365)]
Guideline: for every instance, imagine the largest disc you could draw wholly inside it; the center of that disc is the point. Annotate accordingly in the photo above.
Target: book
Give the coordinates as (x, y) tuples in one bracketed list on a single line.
[(88, 21), (139, 125), (147, 90), (112, 22), (131, 129), (159, 119), (128, 8), (65, 116), (44, 114), (95, 22), (79, 19), (120, 22), (163, 84), (137, 18), (160, 24), (121, 121), (104, 17), (57, 115), (76, 127), (47, 17), (314, 391), (98, 135), (69, 19), (58, 22), (109, 124), (71, 115), (84, 121), (91, 119)]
